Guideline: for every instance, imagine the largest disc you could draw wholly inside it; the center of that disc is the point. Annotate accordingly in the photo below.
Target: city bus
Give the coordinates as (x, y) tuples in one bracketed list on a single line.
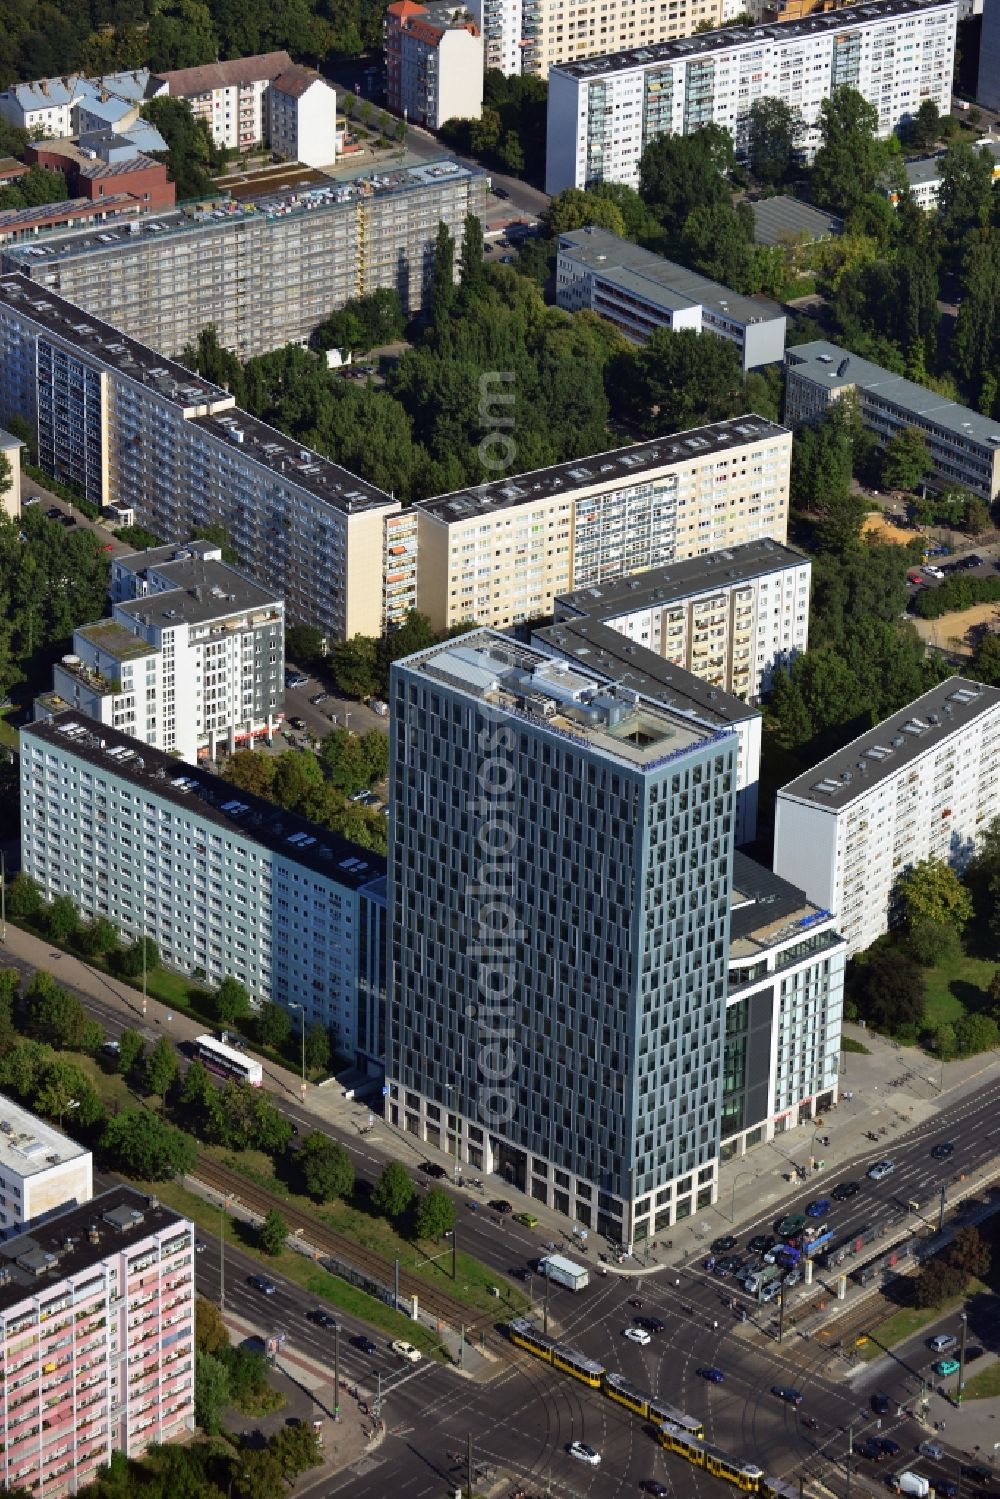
[(228, 1062)]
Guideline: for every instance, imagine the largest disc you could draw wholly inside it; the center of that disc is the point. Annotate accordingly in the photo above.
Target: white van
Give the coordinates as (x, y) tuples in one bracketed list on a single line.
[(911, 1483)]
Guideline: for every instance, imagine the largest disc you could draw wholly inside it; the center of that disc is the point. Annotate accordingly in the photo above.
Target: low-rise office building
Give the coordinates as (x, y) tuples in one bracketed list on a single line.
[(964, 445), (191, 661), (222, 881), (434, 55), (96, 1340), (263, 275), (41, 1169), (231, 97), (502, 552), (132, 428), (923, 175), (730, 617), (921, 785), (784, 1010), (20, 226), (603, 111), (639, 292)]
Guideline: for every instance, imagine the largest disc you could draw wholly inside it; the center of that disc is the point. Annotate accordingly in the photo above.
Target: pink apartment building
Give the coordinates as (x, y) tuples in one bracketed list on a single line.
[(96, 1339)]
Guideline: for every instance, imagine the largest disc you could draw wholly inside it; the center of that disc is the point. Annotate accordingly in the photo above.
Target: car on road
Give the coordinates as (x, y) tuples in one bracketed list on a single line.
[(262, 1284), (880, 1404), (31, 499), (112, 1048), (977, 1474), (880, 1170), (973, 560), (584, 1453), (844, 1191), (945, 1488), (942, 1342), (318, 698), (500, 1205), (67, 521), (321, 1318), (943, 1151), (729, 1264), (723, 1245), (932, 571), (933, 1450), (364, 1344), (871, 1449), (651, 1324), (889, 1447), (402, 1349), (655, 1487), (53, 513), (787, 1394), (199, 1246), (794, 1223), (819, 1208), (712, 1374), (431, 1168), (528, 1220), (761, 1243), (295, 679), (946, 1366), (637, 1335), (500, 192), (506, 260), (297, 723)]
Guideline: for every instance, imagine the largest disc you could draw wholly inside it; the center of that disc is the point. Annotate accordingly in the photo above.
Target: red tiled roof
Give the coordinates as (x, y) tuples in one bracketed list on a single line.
[(406, 8), (295, 80)]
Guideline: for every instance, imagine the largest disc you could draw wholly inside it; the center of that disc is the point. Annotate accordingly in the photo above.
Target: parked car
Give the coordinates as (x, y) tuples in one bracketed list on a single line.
[(581, 1450), (527, 1219), (971, 1354), (946, 1366), (652, 1324), (297, 723), (67, 521), (500, 1205), (942, 1342), (761, 1243), (402, 1349), (933, 1450), (976, 1473), (794, 1223), (319, 697), (53, 513), (295, 679), (637, 1335), (932, 571), (431, 1168), (880, 1170), (843, 1191), (723, 1245)]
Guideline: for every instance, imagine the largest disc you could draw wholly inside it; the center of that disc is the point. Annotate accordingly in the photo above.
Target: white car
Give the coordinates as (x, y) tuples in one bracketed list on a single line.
[(637, 1335), (584, 1453), (880, 1170), (931, 571), (405, 1350)]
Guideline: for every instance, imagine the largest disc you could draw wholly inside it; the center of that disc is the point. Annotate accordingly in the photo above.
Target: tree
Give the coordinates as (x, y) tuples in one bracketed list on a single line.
[(679, 173), (773, 131), (905, 459), (137, 1142), (354, 666), (24, 898), (99, 938), (850, 158), (931, 893), (210, 1334), (975, 1033), (231, 1001), (161, 1068), (442, 291), (129, 962), (62, 919), (937, 1282), (325, 1167), (52, 1013), (258, 1474), (471, 270), (977, 329), (925, 127), (970, 1252), (190, 149), (394, 1191), (296, 1449), (250, 1121), (965, 197), (435, 1215), (976, 518), (273, 1025), (318, 1049), (888, 989), (211, 1392), (304, 644), (131, 1048), (272, 1233), (678, 380), (575, 209), (717, 240), (63, 1088), (362, 323)]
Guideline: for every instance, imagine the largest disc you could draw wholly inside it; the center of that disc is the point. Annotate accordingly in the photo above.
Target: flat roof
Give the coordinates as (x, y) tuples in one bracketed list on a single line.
[(606, 470), (725, 39), (108, 635), (155, 558), (199, 792), (571, 701), (835, 368), (89, 335), (767, 911), (924, 169), (332, 195), (660, 281), (599, 648), (783, 220), (29, 1145), (65, 1244), (675, 581), (925, 724), (204, 591)]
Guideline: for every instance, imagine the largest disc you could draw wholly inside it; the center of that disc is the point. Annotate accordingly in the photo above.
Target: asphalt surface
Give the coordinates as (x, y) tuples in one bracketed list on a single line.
[(523, 1418)]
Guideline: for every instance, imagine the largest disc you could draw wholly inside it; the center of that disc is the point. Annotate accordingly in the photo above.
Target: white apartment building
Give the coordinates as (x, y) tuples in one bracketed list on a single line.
[(222, 881), (729, 618), (921, 785), (41, 1169), (434, 56), (784, 1010), (505, 40), (191, 661), (230, 96), (639, 291), (303, 117), (96, 1340), (501, 553), (964, 445), (54, 108), (604, 111), (131, 427)]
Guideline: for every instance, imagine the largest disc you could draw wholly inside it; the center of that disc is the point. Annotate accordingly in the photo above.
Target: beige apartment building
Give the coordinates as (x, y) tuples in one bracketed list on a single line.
[(501, 553), (558, 31)]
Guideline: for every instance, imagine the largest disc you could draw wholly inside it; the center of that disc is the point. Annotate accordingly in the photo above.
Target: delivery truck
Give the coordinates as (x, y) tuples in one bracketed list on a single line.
[(563, 1272)]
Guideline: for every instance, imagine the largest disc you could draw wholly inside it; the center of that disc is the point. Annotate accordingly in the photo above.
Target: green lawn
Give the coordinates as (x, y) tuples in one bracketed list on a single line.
[(956, 986), (910, 1319), (8, 734), (984, 1385)]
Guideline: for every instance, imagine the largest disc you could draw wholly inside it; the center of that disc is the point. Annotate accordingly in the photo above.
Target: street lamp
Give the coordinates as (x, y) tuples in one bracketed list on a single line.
[(736, 1181), (3, 897), (302, 1009), (223, 1208), (963, 1318)]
